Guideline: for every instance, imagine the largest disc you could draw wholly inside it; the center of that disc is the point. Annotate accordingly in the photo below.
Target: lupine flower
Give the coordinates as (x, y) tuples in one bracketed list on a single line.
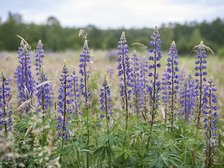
[(85, 72), (154, 58), (210, 122), (146, 89), (105, 100), (172, 80), (187, 99), (125, 75), (5, 112), (44, 93), (64, 104), (137, 84), (39, 57), (165, 94), (23, 74), (76, 93), (200, 78)]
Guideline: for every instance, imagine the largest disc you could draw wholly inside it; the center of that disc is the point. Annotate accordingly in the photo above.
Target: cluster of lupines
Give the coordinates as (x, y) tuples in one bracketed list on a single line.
[(172, 81), (210, 122), (65, 104), (23, 74), (39, 57), (187, 99), (5, 112), (44, 93), (76, 92), (200, 78), (125, 75), (85, 73), (137, 84), (154, 58), (105, 101)]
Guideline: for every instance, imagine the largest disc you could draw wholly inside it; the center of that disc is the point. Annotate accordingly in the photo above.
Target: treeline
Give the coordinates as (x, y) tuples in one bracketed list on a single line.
[(58, 38)]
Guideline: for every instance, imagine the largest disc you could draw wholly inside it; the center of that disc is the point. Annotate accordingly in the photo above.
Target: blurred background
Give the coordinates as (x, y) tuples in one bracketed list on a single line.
[(57, 23)]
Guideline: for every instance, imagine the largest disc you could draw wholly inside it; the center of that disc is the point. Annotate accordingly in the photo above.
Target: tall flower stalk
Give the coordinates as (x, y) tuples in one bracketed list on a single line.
[(39, 55), (154, 58), (76, 93), (44, 93), (65, 101), (165, 95), (210, 122), (5, 112), (23, 75), (146, 89), (187, 99), (172, 81), (137, 84), (125, 75), (106, 102), (200, 75), (84, 88)]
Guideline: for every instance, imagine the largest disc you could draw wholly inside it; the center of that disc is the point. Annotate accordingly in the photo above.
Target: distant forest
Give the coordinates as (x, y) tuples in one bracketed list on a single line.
[(58, 38)]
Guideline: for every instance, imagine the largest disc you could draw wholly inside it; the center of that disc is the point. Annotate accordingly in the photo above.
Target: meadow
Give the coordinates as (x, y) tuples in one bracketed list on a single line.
[(99, 116)]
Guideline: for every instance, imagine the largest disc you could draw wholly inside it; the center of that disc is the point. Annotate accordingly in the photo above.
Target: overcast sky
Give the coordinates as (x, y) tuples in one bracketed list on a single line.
[(114, 13)]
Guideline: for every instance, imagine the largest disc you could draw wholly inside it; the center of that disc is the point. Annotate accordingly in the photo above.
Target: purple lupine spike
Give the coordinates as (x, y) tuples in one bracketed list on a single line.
[(200, 79), (76, 93), (154, 58), (39, 57), (210, 122), (125, 75), (84, 71), (165, 94), (137, 84), (5, 112), (23, 74), (144, 70), (187, 99), (105, 100), (44, 93), (65, 102), (172, 81)]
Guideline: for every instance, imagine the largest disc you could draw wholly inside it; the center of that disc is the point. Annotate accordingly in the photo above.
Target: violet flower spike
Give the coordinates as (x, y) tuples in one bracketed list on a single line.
[(5, 112), (23, 75), (65, 101), (39, 55), (210, 111), (154, 58), (44, 93)]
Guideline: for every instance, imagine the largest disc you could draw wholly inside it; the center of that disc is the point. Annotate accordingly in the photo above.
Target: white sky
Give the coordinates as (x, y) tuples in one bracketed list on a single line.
[(114, 13)]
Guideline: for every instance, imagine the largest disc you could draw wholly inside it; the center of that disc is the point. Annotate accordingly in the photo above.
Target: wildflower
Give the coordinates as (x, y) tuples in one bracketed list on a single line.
[(210, 122), (154, 58), (76, 92), (23, 74), (125, 75), (187, 99), (64, 104), (137, 84), (85, 72), (105, 100), (172, 80), (5, 112), (44, 93), (39, 57), (200, 67)]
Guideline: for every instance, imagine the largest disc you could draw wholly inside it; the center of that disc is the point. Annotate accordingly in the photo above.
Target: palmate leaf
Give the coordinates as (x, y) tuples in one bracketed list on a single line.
[(104, 152)]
